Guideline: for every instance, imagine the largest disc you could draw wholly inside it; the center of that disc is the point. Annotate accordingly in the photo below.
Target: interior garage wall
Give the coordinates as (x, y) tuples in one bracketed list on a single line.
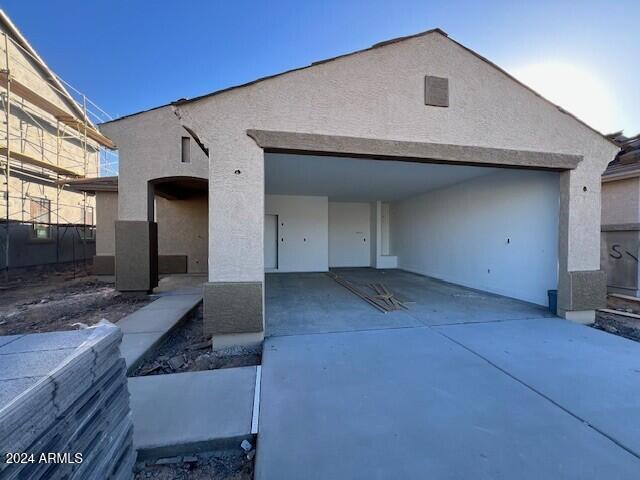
[(349, 234), (303, 225), (497, 233), (183, 230)]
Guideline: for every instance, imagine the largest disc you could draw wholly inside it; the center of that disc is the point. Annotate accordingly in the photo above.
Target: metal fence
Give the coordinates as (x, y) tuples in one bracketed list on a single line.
[(46, 243)]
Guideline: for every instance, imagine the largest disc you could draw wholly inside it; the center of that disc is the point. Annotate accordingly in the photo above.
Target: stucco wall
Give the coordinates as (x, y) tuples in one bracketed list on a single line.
[(183, 230), (497, 233), (303, 225), (349, 234), (379, 93), (621, 201), (106, 216), (149, 147)]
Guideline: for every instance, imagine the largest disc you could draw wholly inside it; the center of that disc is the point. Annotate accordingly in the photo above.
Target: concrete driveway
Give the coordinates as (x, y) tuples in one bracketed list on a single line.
[(516, 399)]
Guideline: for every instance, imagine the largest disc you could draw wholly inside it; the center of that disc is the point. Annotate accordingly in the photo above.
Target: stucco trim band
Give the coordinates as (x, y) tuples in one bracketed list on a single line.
[(232, 307), (582, 290), (168, 264), (104, 265), (426, 152)]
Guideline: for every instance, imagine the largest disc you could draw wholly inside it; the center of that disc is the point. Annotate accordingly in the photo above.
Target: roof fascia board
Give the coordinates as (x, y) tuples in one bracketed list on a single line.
[(620, 176), (423, 152)]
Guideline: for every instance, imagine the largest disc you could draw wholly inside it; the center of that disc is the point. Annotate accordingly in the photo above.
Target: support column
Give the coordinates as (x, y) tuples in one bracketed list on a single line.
[(374, 235), (136, 256), (136, 262), (379, 258), (234, 295), (581, 282)]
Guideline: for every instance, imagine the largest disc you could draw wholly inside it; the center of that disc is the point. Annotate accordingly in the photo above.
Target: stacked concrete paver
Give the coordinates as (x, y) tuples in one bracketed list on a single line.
[(65, 393)]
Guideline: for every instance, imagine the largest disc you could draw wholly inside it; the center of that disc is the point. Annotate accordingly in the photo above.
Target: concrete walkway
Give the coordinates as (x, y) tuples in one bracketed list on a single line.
[(186, 412), (144, 329), (181, 284), (525, 399)]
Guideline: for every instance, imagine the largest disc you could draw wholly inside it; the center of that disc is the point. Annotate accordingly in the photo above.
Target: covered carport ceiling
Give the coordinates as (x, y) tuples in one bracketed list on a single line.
[(358, 179)]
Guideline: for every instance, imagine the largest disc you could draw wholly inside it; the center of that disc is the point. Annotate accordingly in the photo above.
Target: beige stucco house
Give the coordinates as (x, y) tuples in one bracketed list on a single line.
[(621, 218), (416, 153)]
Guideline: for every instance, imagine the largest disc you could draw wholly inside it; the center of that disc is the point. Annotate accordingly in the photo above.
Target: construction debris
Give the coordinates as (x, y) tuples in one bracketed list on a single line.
[(624, 313), (200, 346), (384, 295), (185, 349), (383, 300), (169, 461), (230, 464), (622, 317), (176, 362)]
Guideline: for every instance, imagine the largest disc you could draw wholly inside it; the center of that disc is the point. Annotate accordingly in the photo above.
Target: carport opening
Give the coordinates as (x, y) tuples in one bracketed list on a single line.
[(181, 210), (485, 228)]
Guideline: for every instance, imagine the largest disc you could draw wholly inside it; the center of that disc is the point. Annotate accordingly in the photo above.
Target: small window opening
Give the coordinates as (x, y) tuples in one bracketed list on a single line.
[(186, 150), (40, 210)]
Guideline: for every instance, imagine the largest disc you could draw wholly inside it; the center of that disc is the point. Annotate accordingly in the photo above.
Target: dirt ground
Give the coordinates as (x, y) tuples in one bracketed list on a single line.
[(221, 465), (617, 324), (46, 301), (187, 349)]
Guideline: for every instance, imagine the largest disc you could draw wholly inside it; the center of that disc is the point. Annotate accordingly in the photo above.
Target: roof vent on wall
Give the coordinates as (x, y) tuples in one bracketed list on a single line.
[(436, 91)]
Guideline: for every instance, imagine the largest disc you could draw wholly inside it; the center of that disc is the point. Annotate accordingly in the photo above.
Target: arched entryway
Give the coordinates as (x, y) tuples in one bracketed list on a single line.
[(172, 241), (181, 212)]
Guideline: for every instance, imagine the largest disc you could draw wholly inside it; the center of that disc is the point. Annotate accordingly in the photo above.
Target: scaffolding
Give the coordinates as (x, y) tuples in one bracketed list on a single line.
[(43, 143)]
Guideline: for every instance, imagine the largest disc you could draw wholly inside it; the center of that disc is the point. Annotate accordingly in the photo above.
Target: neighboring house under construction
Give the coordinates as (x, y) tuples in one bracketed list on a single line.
[(47, 137), (620, 246)]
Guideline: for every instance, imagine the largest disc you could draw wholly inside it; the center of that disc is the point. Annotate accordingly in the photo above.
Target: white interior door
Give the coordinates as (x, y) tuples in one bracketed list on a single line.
[(349, 232), (270, 242)]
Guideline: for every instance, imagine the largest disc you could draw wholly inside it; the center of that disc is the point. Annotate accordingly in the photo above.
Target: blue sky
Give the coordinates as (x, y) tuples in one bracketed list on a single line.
[(132, 55)]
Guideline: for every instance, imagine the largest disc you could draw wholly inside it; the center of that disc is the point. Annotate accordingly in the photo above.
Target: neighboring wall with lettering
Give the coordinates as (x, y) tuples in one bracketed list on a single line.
[(620, 238)]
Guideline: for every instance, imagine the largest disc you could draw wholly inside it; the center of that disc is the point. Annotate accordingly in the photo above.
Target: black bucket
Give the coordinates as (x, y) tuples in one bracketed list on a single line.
[(553, 301)]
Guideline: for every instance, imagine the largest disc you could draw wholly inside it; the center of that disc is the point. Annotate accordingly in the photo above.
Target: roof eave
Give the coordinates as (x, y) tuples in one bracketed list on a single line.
[(375, 46)]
